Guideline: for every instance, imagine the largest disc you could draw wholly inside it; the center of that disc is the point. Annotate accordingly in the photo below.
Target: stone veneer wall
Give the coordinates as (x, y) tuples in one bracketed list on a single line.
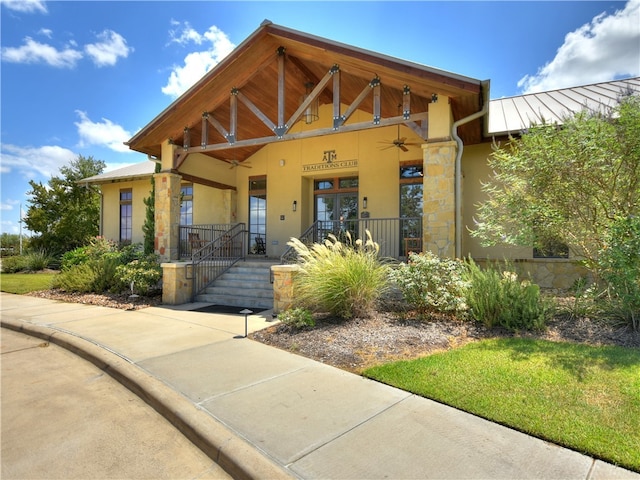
[(439, 202), (556, 274), (176, 287), (167, 204), (283, 286)]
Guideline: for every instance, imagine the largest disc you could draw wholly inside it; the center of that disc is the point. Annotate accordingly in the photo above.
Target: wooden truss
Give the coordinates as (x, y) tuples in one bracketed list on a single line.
[(417, 122)]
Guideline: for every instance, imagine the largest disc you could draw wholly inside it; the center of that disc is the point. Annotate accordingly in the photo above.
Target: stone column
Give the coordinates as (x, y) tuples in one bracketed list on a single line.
[(167, 215), (177, 287), (439, 206), (283, 286)]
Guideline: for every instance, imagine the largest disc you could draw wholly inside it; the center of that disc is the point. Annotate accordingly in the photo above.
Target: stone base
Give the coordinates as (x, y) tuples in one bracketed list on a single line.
[(283, 286), (176, 287)]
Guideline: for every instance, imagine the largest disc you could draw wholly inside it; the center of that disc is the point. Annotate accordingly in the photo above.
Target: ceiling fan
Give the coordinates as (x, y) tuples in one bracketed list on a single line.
[(400, 143), (235, 163)]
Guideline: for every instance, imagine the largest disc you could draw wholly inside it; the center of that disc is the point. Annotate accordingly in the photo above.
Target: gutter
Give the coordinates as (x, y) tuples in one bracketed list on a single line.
[(458, 168)]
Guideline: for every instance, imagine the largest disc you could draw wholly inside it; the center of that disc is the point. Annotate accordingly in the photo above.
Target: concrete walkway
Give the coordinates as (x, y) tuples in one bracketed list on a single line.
[(260, 412)]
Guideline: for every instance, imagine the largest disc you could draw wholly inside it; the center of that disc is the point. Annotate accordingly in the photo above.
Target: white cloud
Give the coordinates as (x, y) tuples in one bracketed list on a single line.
[(604, 49), (36, 52), (9, 204), (196, 64), (112, 45), (26, 6), (105, 52), (31, 162), (47, 32), (105, 133)]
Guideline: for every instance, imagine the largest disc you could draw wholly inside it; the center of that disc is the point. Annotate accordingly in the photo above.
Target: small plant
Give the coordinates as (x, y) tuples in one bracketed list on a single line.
[(141, 275), (39, 260), (297, 318), (497, 297), (432, 284), (582, 302), (342, 279)]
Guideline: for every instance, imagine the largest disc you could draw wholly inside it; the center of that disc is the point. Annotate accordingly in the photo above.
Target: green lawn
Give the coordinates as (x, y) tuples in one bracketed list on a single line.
[(25, 282), (583, 397)]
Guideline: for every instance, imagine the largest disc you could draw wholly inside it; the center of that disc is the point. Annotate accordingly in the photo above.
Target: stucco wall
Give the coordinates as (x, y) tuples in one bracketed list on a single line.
[(140, 189)]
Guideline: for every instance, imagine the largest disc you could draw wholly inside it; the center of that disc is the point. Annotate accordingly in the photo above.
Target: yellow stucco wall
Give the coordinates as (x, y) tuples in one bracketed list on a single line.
[(140, 189), (364, 154)]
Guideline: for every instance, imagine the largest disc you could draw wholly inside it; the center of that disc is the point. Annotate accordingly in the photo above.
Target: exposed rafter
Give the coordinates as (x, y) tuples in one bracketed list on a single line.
[(281, 128)]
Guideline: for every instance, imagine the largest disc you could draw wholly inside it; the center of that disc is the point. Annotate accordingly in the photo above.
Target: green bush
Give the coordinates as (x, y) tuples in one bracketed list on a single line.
[(140, 276), (619, 267), (342, 279), (100, 267), (39, 260), (96, 249), (79, 278), (297, 318), (16, 263), (432, 284), (496, 297)]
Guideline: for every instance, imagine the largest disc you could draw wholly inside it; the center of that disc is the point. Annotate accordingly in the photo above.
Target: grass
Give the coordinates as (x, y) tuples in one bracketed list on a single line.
[(21, 283), (583, 397)]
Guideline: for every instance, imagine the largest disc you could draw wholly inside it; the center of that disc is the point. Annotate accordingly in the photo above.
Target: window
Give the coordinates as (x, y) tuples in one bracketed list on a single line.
[(550, 248), (126, 214), (257, 214), (411, 188), (186, 204)]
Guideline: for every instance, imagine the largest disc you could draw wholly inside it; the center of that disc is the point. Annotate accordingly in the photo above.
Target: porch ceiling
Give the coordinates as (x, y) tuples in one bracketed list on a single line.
[(253, 68)]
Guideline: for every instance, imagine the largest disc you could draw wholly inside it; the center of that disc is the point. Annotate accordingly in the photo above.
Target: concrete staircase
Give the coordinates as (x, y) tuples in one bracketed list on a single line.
[(246, 284)]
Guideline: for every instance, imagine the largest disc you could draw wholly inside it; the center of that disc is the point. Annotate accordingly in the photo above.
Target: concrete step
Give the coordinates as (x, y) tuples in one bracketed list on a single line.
[(246, 284), (235, 301), (242, 292)]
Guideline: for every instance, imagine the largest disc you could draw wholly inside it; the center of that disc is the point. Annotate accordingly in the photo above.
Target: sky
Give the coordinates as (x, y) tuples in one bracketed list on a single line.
[(81, 78)]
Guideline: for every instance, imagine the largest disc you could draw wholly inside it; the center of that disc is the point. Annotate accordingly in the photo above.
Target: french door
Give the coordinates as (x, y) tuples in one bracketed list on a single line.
[(337, 213)]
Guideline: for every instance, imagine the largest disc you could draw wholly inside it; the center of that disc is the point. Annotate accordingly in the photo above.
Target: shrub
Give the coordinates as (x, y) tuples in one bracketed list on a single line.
[(141, 276), (79, 278), (96, 249), (497, 298), (343, 279), (16, 263), (432, 284), (39, 260), (297, 318), (619, 266)]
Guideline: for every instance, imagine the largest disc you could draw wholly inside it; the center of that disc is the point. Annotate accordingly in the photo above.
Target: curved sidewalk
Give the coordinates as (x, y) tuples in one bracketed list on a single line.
[(263, 413)]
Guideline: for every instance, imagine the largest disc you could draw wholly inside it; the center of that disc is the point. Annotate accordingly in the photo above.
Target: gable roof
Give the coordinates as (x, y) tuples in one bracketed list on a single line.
[(254, 69), (515, 114), (136, 171)]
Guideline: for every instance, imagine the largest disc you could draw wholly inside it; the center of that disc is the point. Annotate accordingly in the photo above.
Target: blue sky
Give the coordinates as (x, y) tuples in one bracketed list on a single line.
[(80, 78)]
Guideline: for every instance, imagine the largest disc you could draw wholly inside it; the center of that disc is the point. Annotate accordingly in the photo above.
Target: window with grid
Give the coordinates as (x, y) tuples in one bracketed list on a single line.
[(126, 215), (186, 204)]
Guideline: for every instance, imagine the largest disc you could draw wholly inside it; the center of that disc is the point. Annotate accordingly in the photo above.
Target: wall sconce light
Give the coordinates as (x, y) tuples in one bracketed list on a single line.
[(434, 97), (311, 113), (295, 205), (282, 162), (364, 203)]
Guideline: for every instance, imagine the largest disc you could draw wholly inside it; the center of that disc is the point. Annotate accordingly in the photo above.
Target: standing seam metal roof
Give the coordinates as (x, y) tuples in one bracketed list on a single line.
[(515, 114)]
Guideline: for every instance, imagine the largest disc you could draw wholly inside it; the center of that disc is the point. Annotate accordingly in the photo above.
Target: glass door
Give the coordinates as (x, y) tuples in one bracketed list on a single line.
[(337, 213)]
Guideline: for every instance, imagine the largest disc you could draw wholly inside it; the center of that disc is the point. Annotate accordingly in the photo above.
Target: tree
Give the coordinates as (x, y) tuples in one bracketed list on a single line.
[(567, 183), (149, 226), (65, 214)]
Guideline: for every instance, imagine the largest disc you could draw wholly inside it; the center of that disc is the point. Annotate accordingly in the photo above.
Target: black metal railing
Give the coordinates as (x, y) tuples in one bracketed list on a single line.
[(194, 237), (216, 257), (395, 236)]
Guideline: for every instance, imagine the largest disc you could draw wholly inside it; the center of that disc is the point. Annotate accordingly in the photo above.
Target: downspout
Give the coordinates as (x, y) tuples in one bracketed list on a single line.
[(458, 173)]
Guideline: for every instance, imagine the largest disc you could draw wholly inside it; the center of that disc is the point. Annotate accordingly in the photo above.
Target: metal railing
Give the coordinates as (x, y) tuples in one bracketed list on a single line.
[(194, 237), (395, 236), (217, 256)]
